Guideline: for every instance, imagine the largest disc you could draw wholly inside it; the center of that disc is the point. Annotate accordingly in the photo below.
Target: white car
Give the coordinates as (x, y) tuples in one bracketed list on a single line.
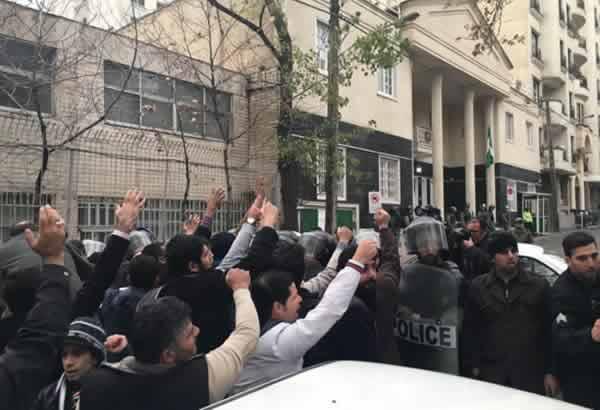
[(374, 386), (536, 261)]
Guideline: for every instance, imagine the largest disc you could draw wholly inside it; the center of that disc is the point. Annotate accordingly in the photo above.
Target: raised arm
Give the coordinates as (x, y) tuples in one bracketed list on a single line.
[(226, 362), (92, 293)]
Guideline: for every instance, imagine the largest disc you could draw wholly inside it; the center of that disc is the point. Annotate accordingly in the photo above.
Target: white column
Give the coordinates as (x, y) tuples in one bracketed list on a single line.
[(490, 174), (470, 148), (437, 140)]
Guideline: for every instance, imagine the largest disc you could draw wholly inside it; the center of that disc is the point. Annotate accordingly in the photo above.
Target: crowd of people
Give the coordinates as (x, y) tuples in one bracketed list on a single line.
[(146, 325)]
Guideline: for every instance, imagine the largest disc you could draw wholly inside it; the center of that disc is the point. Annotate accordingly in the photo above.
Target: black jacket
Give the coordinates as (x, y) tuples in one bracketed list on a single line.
[(31, 360), (577, 355), (211, 299), (475, 262), (507, 330), (183, 387)]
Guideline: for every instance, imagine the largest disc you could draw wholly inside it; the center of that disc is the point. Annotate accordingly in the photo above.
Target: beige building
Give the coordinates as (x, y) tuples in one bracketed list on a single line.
[(80, 73), (558, 62), (418, 132)]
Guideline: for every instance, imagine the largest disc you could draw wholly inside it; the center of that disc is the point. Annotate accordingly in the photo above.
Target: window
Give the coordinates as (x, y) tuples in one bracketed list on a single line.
[(571, 108), (389, 179), (510, 128), (541, 137), (537, 97), (26, 70), (156, 101), (563, 58), (536, 52), (18, 206), (535, 5), (386, 81), (322, 44), (597, 54), (580, 112), (570, 61), (320, 183), (536, 268), (573, 150), (530, 136), (141, 3), (561, 11)]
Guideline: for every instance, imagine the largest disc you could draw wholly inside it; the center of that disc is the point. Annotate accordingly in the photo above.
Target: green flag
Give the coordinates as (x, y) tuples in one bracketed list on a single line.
[(489, 155)]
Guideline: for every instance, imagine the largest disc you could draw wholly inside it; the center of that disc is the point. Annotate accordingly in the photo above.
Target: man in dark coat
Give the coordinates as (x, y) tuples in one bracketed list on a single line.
[(507, 327), (576, 327), (29, 361)]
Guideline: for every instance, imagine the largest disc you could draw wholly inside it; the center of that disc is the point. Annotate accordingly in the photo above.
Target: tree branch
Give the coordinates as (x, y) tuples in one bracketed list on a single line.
[(258, 30)]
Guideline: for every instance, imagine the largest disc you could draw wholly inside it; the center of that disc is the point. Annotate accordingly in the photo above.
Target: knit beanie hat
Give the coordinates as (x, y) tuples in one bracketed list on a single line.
[(500, 241), (87, 332)]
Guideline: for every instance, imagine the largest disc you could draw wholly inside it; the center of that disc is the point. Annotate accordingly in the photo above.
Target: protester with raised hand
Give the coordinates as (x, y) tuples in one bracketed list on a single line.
[(202, 227), (166, 372), (29, 361), (285, 338)]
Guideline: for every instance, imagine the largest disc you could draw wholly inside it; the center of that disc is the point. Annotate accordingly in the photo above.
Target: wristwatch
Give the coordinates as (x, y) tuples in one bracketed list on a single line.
[(250, 220)]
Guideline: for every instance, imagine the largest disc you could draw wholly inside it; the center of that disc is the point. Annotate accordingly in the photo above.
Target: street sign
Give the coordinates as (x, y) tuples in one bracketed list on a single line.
[(374, 202), (511, 195)]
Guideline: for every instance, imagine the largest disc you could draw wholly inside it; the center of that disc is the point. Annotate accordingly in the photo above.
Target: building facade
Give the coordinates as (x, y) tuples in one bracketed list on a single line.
[(116, 115), (557, 64)]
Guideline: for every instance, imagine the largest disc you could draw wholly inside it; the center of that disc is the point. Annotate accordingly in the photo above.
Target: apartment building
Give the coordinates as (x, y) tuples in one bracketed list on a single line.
[(105, 14), (558, 63), (419, 132), (159, 111)]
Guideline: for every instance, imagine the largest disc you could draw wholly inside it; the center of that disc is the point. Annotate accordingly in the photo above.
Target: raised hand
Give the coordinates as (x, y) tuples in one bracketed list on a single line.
[(259, 189), (344, 234), (191, 224), (128, 211), (270, 215), (50, 243), (238, 279), (215, 200), (116, 343), (366, 252)]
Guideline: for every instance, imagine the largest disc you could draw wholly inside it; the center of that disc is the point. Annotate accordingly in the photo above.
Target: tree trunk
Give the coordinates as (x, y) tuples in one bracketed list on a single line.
[(332, 123)]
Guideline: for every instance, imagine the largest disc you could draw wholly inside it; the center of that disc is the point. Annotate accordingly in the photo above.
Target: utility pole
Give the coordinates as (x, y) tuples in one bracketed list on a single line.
[(554, 218)]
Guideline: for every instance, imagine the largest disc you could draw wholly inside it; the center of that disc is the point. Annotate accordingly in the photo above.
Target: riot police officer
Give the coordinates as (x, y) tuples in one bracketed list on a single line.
[(428, 323)]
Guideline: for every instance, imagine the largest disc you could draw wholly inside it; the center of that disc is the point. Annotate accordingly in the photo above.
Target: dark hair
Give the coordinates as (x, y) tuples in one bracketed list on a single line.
[(500, 241), (483, 223), (156, 326), (155, 250), (221, 243), (289, 257), (183, 249), (575, 240), (272, 286), (21, 227), (143, 271)]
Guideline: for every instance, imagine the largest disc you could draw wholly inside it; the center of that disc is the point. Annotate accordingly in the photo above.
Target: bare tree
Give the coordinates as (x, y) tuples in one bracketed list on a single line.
[(40, 54)]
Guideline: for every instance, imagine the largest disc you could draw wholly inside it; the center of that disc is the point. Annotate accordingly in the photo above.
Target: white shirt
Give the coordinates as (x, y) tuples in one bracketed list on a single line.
[(281, 350)]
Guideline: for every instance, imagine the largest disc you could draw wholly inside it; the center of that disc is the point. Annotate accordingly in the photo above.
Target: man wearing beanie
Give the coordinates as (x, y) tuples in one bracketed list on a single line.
[(507, 325), (83, 350)]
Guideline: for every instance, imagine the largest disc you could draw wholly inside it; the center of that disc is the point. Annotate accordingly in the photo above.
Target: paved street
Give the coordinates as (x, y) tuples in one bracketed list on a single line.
[(553, 243)]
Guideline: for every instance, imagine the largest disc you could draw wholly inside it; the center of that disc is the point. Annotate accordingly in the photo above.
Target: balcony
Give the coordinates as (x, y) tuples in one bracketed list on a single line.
[(582, 43), (578, 18), (583, 143), (423, 139), (558, 119), (582, 90), (562, 164), (579, 57)]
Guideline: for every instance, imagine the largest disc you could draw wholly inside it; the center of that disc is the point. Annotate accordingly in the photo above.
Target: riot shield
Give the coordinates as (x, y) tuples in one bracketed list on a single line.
[(429, 318)]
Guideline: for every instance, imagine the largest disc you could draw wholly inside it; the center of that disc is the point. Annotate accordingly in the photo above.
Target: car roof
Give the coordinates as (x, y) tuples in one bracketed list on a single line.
[(537, 252), (349, 385)]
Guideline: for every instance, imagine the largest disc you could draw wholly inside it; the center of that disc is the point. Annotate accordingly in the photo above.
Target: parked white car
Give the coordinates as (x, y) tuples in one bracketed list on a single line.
[(374, 386), (539, 263)]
